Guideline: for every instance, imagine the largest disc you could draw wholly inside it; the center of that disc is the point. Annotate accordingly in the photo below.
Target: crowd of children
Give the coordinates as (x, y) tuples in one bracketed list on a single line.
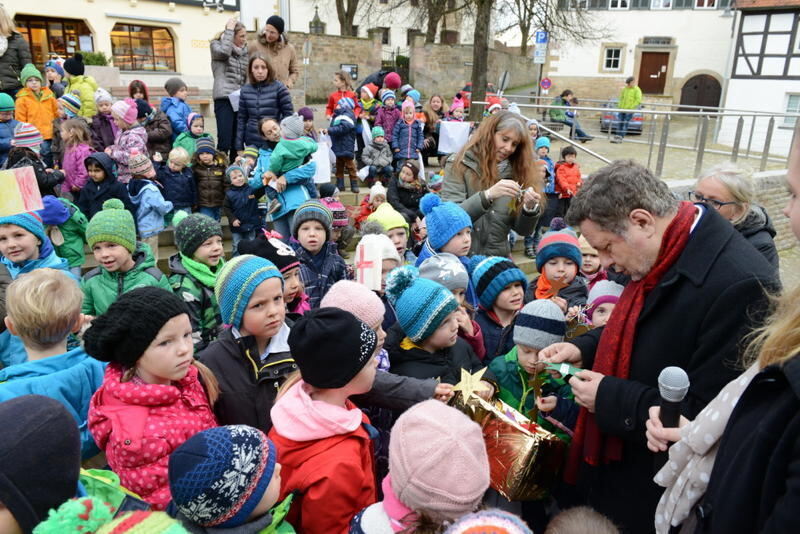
[(265, 390)]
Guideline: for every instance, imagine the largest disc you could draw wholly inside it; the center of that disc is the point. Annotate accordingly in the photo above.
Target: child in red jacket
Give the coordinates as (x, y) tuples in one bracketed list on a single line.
[(344, 89), (323, 439), (568, 177), (151, 400), (370, 203)]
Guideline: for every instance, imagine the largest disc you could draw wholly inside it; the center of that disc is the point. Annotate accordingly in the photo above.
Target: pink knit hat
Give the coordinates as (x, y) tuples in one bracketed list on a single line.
[(357, 299), (407, 103), (125, 110), (438, 461)]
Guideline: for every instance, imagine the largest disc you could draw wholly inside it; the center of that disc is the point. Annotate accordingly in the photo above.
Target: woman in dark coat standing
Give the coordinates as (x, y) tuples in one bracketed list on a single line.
[(264, 96), (229, 66), (14, 54)]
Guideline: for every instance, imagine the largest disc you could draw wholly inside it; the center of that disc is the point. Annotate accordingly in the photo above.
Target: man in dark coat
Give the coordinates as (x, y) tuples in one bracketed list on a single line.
[(694, 317)]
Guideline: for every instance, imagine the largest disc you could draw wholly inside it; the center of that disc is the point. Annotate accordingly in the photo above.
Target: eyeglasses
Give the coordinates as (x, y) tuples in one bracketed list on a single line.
[(717, 204)]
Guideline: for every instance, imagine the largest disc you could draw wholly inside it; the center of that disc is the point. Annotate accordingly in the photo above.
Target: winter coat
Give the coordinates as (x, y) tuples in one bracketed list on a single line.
[(139, 425), (408, 139), (343, 134), (56, 144), (128, 141), (318, 282), (497, 339), (446, 365), (16, 56), (6, 135), (70, 378), (39, 110), (491, 221), (101, 288), (248, 383), (334, 98), (94, 193), (326, 457), (559, 114), (5, 280), (368, 109), (104, 131), (179, 187), (754, 482), (75, 173), (387, 118), (188, 141), (695, 319), (204, 311), (576, 293), (159, 133), (403, 199), (210, 180), (257, 101), (178, 113), (47, 181), (549, 175), (84, 86), (630, 98), (151, 207), (228, 65), (296, 191), (568, 179), (290, 154), (377, 154), (364, 211), (241, 203), (71, 223), (282, 56), (758, 230)]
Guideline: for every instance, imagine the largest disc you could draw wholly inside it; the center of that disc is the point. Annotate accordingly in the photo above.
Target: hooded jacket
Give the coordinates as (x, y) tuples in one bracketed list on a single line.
[(343, 133), (204, 311), (159, 133), (282, 56), (387, 118), (6, 135), (228, 65), (85, 86), (327, 457), (71, 223), (151, 207), (241, 203), (758, 230), (94, 193), (405, 199), (188, 141), (179, 187), (75, 174), (257, 100), (101, 287), (408, 139), (16, 56), (377, 154), (210, 180), (178, 113), (134, 139), (139, 425), (37, 110), (568, 179)]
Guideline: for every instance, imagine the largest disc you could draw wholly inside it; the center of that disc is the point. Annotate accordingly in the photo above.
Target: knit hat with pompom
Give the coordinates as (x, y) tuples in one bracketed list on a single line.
[(191, 231), (77, 515), (444, 220), (493, 274), (421, 305), (113, 224), (490, 521)]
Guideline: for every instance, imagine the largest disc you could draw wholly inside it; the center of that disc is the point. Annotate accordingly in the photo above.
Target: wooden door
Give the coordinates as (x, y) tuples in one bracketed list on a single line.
[(701, 90), (653, 72)]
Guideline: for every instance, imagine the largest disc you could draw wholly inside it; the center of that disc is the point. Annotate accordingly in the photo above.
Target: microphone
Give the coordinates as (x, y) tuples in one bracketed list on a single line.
[(673, 384)]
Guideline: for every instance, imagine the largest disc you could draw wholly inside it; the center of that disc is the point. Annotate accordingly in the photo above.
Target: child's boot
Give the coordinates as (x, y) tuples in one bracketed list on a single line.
[(354, 185), (340, 184)]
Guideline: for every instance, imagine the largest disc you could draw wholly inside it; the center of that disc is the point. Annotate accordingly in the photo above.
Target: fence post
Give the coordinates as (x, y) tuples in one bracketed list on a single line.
[(767, 143), (701, 144), (651, 139), (662, 146), (737, 139), (750, 137)]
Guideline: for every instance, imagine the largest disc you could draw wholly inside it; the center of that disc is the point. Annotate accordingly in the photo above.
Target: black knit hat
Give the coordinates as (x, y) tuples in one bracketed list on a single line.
[(143, 109), (40, 457), (331, 346), (192, 230), (130, 324), (270, 247), (74, 65), (276, 22)]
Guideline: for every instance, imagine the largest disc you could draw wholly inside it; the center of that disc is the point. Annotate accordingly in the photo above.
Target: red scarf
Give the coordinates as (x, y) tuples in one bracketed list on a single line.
[(615, 349)]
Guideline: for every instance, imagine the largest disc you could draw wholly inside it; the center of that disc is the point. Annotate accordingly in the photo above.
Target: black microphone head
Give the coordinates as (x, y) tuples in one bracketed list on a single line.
[(673, 384)]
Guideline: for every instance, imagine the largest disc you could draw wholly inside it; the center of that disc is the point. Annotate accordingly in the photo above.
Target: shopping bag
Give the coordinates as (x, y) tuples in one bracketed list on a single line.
[(325, 139), (421, 168), (366, 132), (453, 136), (323, 161), (363, 172)]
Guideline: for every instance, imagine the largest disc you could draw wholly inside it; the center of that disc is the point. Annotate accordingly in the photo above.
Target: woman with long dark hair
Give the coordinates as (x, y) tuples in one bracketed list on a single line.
[(264, 96)]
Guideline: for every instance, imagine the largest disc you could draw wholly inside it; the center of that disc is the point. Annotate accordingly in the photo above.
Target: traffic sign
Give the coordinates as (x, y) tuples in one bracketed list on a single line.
[(541, 37), (539, 60), (546, 83)]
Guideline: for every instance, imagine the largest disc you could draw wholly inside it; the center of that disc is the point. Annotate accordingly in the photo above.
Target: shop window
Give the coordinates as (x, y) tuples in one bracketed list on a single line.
[(51, 37), (146, 48)]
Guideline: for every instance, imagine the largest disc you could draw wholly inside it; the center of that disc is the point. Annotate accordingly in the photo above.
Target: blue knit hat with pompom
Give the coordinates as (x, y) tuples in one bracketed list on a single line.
[(421, 305), (491, 275), (443, 219)]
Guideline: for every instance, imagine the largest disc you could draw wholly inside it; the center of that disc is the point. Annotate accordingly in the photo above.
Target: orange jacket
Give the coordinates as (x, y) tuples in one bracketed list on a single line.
[(568, 179), (39, 111)]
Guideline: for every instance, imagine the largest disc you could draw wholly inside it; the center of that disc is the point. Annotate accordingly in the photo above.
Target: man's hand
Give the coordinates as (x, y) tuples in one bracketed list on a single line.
[(561, 352)]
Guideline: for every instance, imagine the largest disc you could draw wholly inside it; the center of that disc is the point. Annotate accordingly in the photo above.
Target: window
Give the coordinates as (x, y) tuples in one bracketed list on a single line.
[(705, 4), (660, 4), (385, 33), (612, 59), (145, 48), (661, 41), (49, 36), (792, 106), (355, 30), (618, 4), (579, 4)]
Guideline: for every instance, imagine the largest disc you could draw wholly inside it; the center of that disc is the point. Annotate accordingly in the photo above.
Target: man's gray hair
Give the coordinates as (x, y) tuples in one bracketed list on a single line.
[(613, 192)]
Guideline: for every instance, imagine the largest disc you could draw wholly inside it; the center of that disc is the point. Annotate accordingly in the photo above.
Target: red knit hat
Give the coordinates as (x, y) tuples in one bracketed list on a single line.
[(392, 81)]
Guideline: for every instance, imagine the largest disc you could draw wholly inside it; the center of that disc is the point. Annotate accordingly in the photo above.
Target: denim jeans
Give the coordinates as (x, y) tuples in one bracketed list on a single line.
[(239, 236), (624, 119), (46, 154), (284, 226), (386, 172), (214, 213), (579, 133)]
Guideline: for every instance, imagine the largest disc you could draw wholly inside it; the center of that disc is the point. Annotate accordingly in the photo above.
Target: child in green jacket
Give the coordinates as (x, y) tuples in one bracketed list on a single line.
[(66, 227), (188, 139), (538, 325), (194, 271), (123, 264)]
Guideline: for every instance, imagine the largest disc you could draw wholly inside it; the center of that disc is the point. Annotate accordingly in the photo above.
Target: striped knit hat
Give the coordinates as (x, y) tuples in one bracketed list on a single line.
[(491, 275), (603, 292), (250, 151), (491, 521), (421, 305), (237, 281), (71, 105), (113, 224), (313, 210), (387, 95), (562, 243), (30, 221), (539, 324), (27, 136), (139, 165), (218, 476), (192, 230), (205, 144), (444, 220), (337, 210), (126, 110), (143, 523), (346, 103)]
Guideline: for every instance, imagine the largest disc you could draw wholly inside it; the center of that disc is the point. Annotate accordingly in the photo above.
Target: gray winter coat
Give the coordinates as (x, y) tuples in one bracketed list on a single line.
[(491, 222), (17, 56), (228, 65)]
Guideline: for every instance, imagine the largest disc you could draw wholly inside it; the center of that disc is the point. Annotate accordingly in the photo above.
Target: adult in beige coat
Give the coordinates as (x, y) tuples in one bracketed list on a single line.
[(272, 44)]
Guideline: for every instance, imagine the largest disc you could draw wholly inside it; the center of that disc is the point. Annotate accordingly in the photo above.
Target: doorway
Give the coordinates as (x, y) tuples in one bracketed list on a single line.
[(653, 72), (701, 90)]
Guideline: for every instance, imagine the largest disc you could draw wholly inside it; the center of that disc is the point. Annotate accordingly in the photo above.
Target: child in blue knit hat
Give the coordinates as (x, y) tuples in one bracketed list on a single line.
[(424, 342), (559, 259), (500, 286)]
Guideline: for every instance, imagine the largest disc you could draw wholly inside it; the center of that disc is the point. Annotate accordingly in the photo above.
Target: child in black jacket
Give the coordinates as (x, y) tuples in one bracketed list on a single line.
[(178, 181), (241, 207)]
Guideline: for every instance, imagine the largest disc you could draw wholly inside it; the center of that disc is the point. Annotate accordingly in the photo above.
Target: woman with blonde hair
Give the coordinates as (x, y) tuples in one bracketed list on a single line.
[(736, 467), (14, 54), (435, 111), (496, 182)]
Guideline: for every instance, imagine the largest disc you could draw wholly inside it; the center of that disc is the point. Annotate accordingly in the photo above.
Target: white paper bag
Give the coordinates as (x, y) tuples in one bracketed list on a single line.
[(325, 139), (363, 172), (368, 266), (234, 98), (366, 132), (421, 168), (453, 136), (323, 161)]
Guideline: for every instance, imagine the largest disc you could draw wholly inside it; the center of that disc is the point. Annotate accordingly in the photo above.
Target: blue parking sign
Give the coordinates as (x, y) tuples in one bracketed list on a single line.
[(541, 37)]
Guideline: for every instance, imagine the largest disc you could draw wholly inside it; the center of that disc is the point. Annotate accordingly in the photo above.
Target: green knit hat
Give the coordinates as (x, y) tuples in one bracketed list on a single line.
[(113, 224), (30, 71), (6, 102), (191, 231)]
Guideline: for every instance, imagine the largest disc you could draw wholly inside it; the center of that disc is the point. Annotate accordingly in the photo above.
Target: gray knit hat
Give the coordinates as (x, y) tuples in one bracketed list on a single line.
[(173, 85), (446, 269), (540, 324), (292, 127)]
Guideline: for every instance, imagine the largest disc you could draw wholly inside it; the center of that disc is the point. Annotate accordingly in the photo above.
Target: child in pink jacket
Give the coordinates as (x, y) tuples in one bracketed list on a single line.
[(132, 137), (151, 400), (76, 138)]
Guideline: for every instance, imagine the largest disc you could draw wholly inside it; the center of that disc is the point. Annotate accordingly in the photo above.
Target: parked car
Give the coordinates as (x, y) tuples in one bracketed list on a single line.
[(466, 93), (612, 118)]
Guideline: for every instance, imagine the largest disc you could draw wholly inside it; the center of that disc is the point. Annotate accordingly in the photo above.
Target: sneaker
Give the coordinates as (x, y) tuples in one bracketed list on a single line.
[(617, 139), (530, 251)]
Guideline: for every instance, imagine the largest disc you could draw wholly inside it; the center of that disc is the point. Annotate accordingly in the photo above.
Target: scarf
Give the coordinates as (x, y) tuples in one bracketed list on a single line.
[(398, 513), (544, 289), (201, 271), (613, 357)]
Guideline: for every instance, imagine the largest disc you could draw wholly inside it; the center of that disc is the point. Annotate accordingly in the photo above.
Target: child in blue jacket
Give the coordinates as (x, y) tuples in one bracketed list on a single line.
[(343, 138), (178, 181), (241, 207), (408, 137), (148, 197), (175, 106)]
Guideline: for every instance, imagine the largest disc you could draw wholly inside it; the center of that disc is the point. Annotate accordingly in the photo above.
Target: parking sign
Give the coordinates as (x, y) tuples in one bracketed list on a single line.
[(541, 37)]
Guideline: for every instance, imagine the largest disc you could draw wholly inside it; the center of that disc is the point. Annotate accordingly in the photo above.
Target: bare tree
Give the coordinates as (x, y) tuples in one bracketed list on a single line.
[(346, 13), (480, 54)]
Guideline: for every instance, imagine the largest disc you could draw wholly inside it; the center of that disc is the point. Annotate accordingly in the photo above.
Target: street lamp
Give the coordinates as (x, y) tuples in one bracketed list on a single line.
[(316, 25)]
